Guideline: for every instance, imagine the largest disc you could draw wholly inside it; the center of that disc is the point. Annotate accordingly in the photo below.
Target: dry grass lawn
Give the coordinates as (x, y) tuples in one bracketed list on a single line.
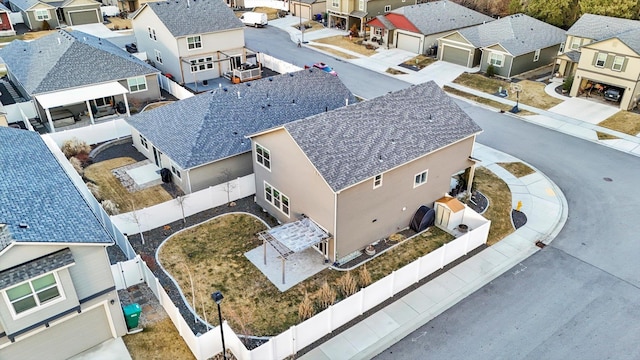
[(532, 93), (603, 136), (346, 43), (420, 61), (119, 24), (112, 189), (499, 211), (335, 52), (517, 169), (393, 71), (623, 121), (485, 101), (156, 105), (160, 341), (314, 25), (272, 13)]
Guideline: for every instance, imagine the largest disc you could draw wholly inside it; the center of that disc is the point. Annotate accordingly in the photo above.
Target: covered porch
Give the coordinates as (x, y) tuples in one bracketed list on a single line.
[(75, 107), (566, 64)]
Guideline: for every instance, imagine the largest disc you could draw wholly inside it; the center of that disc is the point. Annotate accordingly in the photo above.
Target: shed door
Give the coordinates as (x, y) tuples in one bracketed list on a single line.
[(442, 216), (409, 43), (455, 55), (84, 17)]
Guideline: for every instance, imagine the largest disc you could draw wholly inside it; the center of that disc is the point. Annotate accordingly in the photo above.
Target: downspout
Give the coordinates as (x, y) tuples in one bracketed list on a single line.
[(189, 181), (511, 66)]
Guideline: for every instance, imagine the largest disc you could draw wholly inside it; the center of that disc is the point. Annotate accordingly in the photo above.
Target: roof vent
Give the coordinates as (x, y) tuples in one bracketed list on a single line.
[(224, 89), (270, 79), (23, 225), (291, 74), (248, 84), (239, 95)]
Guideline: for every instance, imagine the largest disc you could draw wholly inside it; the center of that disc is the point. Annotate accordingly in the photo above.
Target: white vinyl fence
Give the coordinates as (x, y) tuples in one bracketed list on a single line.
[(94, 134), (173, 88), (18, 111), (281, 5), (277, 65)]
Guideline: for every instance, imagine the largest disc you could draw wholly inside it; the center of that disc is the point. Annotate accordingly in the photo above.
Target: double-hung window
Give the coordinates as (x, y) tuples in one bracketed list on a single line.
[(194, 42), (420, 178), (377, 181), (575, 44), (152, 33), (34, 293), (335, 3), (536, 55), (496, 59), (144, 143), (263, 156), (387, 8), (601, 59), (361, 5), (276, 198), (618, 61), (158, 56), (137, 84), (201, 64), (42, 14)]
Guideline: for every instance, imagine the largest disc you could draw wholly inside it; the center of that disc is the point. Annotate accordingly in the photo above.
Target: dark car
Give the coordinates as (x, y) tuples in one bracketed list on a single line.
[(612, 94)]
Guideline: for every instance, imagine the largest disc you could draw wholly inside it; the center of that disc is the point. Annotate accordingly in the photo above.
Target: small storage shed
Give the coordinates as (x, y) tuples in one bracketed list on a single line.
[(449, 212)]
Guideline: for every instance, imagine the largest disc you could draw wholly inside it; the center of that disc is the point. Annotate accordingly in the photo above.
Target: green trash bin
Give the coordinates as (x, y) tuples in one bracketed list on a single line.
[(132, 315)]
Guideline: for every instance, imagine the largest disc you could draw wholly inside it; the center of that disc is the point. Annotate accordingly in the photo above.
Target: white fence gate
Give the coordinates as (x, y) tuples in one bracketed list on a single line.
[(128, 273)]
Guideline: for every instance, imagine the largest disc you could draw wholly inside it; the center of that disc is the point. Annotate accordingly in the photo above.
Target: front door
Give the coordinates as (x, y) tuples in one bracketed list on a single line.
[(157, 157)]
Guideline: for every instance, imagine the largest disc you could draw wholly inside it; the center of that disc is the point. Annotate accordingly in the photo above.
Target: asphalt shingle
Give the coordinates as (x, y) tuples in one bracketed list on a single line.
[(357, 142), (24, 4), (73, 59), (35, 267), (599, 27), (192, 17), (37, 192), (440, 16), (213, 126)]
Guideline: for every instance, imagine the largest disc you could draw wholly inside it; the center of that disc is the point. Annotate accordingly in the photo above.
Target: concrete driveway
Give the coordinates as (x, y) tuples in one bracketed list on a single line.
[(585, 110)]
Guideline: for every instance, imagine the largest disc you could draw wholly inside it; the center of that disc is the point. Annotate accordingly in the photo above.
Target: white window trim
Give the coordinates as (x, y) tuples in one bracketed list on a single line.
[(613, 66), (137, 84), (44, 17), (158, 55), (561, 48), (536, 55), (604, 60), (175, 171), (335, 3), (387, 8), (144, 142), (426, 178), (258, 156), (377, 181), (39, 306), (272, 202), (152, 33), (576, 42), (361, 5), (196, 64), (499, 56), (195, 43)]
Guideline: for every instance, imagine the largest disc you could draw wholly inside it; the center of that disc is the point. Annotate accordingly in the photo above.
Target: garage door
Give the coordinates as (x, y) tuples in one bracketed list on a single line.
[(455, 55), (84, 17), (68, 338), (409, 43)]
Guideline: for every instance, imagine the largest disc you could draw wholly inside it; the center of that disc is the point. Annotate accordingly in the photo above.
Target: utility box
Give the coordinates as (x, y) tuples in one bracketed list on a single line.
[(132, 315)]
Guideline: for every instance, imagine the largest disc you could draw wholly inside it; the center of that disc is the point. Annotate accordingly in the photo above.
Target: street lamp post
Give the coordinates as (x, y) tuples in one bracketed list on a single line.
[(217, 297)]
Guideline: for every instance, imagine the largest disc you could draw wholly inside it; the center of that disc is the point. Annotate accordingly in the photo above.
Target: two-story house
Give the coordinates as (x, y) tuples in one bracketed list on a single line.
[(190, 41), (70, 75), (603, 52), (57, 294), (35, 13), (345, 14), (202, 139), (360, 172)]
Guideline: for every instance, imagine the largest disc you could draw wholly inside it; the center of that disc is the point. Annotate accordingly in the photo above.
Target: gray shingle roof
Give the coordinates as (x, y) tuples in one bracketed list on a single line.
[(631, 39), (213, 126), (24, 4), (599, 27), (357, 142), (387, 24), (191, 17), (73, 59), (35, 267), (519, 34), (440, 16), (573, 55), (36, 191), (3, 8)]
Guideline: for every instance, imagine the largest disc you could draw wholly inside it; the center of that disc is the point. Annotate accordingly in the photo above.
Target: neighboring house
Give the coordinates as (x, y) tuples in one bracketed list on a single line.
[(69, 73), (202, 139), (308, 8), (190, 41), (57, 13), (6, 27), (603, 52), (513, 45), (347, 13), (416, 28), (360, 172), (57, 294)]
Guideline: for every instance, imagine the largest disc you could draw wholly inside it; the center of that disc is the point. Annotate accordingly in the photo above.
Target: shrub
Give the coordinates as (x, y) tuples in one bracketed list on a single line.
[(347, 285), (46, 26), (94, 189), (110, 207), (74, 147), (396, 237), (491, 70), (77, 165), (326, 296), (364, 276), (567, 84), (354, 31), (305, 309)]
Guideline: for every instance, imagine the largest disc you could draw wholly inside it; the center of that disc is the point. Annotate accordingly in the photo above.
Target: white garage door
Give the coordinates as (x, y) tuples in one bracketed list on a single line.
[(409, 43), (84, 17)]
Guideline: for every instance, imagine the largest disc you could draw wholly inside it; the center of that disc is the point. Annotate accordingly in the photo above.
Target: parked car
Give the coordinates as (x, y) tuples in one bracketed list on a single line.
[(612, 94), (322, 66), (256, 19)]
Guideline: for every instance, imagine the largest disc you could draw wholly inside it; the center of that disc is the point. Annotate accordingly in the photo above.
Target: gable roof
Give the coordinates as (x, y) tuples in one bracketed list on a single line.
[(381, 21), (73, 59), (357, 142), (29, 173), (399, 21), (631, 39), (192, 17), (213, 126), (3, 8), (24, 5), (440, 16), (599, 27), (518, 34)]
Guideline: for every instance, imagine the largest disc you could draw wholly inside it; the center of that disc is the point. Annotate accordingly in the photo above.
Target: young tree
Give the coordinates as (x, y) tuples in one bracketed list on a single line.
[(228, 185)]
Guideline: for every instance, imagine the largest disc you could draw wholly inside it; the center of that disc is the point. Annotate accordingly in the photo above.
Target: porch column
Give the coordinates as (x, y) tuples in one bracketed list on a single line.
[(472, 172), (53, 129), (126, 104), (90, 112), (264, 248)]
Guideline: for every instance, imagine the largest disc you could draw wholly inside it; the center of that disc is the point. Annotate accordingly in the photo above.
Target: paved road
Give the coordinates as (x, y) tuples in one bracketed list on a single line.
[(577, 298), (362, 82)]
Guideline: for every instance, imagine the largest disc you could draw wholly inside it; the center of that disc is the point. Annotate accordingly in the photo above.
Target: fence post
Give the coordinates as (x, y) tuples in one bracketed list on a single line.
[(158, 290), (294, 334), (418, 269), (274, 350), (444, 251), (466, 243), (330, 312), (393, 280), (361, 292)]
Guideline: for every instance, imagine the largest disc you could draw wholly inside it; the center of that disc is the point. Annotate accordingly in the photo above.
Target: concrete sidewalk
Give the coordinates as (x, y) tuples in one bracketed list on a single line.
[(546, 210)]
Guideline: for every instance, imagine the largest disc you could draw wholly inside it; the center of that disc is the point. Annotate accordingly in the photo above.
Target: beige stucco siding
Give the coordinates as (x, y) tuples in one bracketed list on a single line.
[(366, 215), (293, 175)]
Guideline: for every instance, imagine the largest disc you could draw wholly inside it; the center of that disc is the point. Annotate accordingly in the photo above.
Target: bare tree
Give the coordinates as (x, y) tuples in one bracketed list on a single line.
[(136, 217), (180, 200), (228, 186)]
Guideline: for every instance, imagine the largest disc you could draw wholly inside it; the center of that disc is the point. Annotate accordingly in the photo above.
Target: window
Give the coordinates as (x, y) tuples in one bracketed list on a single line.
[(158, 56), (335, 3), (618, 61), (176, 172), (387, 8), (201, 64), (536, 56), (152, 33), (377, 181), (144, 143), (263, 156), (137, 84), (421, 178), (361, 5), (377, 31), (102, 102), (601, 59), (575, 44), (34, 293), (276, 198), (561, 49), (194, 42), (496, 59), (42, 15)]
